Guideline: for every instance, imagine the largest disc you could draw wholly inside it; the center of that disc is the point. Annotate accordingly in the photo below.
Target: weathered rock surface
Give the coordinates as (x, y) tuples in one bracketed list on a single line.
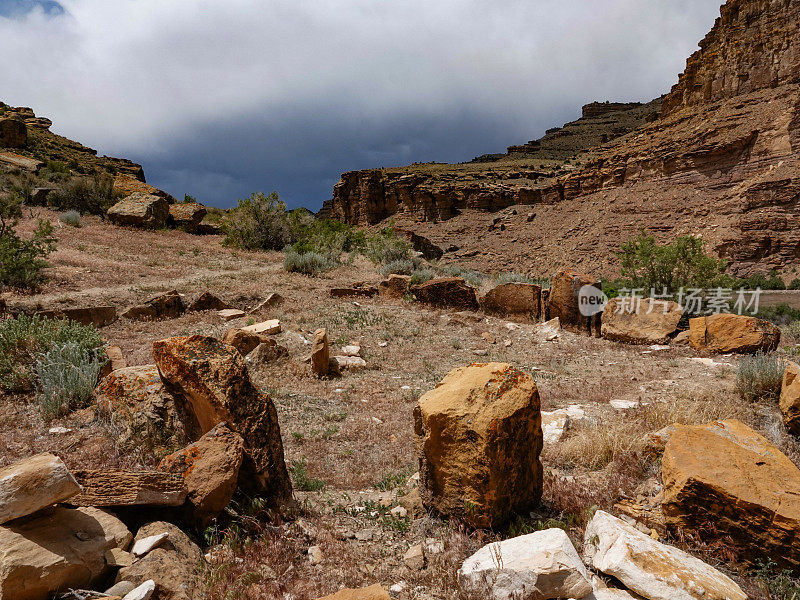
[(140, 210), (514, 299), (447, 292), (395, 287), (320, 353), (724, 333), (13, 133), (98, 316), (59, 549), (129, 488), (210, 470), (478, 438), (539, 566), (563, 302), (187, 215), (175, 565), (213, 377), (790, 397), (271, 327), (207, 301), (648, 567), (726, 474), (266, 352), (165, 306), (373, 592), (34, 483), (647, 321)]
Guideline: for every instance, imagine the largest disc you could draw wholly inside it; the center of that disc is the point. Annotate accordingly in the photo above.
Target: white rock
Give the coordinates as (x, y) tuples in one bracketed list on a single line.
[(351, 351), (658, 348), (553, 426), (270, 327), (399, 512), (650, 568), (538, 566), (229, 314), (143, 592), (624, 404), (59, 430), (433, 546), (34, 483), (145, 545), (398, 587), (315, 555), (350, 363), (610, 594), (550, 330)]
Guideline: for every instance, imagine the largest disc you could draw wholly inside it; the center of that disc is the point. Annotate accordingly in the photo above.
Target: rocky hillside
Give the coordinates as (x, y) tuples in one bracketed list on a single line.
[(721, 161)]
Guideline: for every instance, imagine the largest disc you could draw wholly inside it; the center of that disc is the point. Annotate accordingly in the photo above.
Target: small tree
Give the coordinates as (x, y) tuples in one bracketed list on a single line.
[(258, 223), (683, 263), (22, 262)]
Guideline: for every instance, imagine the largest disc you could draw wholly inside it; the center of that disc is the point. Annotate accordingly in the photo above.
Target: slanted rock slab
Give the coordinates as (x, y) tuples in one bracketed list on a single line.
[(129, 488), (790, 397), (724, 333), (34, 483)]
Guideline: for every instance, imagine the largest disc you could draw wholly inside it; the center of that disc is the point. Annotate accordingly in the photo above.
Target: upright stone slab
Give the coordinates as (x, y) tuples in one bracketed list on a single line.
[(563, 302), (790, 397), (140, 210)]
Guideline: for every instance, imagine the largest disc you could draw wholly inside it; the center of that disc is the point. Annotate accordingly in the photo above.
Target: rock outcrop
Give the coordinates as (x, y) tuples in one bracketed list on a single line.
[(648, 322), (13, 133), (724, 333), (187, 215), (447, 292), (726, 474), (478, 438), (564, 302), (140, 210), (520, 300), (129, 488)]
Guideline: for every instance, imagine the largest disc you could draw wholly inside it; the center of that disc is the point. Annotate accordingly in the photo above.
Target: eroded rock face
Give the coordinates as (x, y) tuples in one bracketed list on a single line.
[(651, 322), (478, 438), (34, 483), (726, 474), (213, 378), (114, 487), (164, 306), (563, 302), (790, 397), (726, 333), (395, 287), (539, 566), (13, 133), (648, 567), (187, 215), (447, 292), (60, 549), (140, 210), (210, 470), (514, 299)]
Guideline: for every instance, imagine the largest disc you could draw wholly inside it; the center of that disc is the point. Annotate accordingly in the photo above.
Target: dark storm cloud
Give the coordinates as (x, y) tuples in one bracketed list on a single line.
[(222, 99)]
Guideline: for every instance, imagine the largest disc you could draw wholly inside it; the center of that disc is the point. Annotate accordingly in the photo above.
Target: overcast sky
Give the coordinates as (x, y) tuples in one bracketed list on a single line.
[(220, 99)]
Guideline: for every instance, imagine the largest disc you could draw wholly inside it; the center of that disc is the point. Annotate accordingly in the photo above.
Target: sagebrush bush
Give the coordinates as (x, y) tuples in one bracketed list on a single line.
[(71, 217), (24, 338), (387, 247), (759, 377), (421, 276), (399, 267), (86, 195), (22, 262), (67, 377), (257, 223), (308, 263)]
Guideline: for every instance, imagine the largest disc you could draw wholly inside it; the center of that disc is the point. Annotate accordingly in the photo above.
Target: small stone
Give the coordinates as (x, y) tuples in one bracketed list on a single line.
[(117, 557), (398, 587), (315, 555), (270, 327), (480, 352), (624, 404), (59, 430), (399, 511), (145, 545), (143, 592), (229, 314), (414, 558), (120, 589), (351, 350)]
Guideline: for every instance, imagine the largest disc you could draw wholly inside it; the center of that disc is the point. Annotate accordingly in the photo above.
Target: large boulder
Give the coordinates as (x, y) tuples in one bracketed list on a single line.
[(56, 550), (514, 299), (210, 470), (725, 333), (539, 566), (447, 292), (651, 569), (140, 210), (175, 565), (213, 378), (165, 306), (563, 302), (187, 215), (13, 133), (726, 474), (478, 438), (34, 483), (648, 321), (142, 412), (790, 397)]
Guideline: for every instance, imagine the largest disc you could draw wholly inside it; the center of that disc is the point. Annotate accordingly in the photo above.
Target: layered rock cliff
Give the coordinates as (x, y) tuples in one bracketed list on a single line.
[(723, 161)]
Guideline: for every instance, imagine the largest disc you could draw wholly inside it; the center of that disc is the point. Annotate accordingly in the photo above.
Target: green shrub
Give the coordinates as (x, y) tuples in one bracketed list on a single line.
[(387, 247), (24, 338), (257, 223), (782, 584), (399, 267), (759, 378), (302, 480), (71, 217), (67, 377), (86, 195), (683, 263), (22, 262), (308, 263), (781, 314), (795, 284), (55, 166), (421, 276)]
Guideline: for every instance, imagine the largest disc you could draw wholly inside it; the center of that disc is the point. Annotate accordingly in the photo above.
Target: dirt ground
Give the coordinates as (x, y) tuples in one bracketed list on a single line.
[(353, 436)]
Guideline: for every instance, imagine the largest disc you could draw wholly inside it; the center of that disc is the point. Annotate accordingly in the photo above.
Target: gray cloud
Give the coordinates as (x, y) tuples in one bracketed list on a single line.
[(221, 99)]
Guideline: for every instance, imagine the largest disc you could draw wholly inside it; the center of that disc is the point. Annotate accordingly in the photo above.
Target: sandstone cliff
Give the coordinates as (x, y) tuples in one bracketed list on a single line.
[(723, 161)]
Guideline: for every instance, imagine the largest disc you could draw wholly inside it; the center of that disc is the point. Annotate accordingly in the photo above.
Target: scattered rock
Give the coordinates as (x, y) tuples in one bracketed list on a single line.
[(554, 424), (320, 354), (726, 474), (128, 488), (549, 331), (648, 567), (373, 592), (140, 210), (210, 470), (339, 364), (271, 327), (563, 302), (790, 397), (142, 592), (165, 306), (266, 352), (244, 341), (273, 299), (117, 557), (315, 555), (726, 333), (395, 287), (478, 439), (351, 351), (682, 339), (56, 550), (34, 483), (358, 290), (647, 322), (522, 300), (213, 378), (146, 544), (120, 589), (620, 404), (207, 301), (187, 215), (229, 314), (447, 292), (97, 316), (539, 566)]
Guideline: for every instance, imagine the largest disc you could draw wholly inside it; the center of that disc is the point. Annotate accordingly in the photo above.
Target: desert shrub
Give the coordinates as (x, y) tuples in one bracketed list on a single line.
[(67, 376), (683, 263), (473, 278), (308, 263), (781, 314), (759, 377), (257, 223), (782, 584), (71, 217), (86, 195), (399, 267), (795, 284), (55, 166), (387, 247), (24, 338), (22, 262), (302, 480), (324, 236), (421, 276)]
